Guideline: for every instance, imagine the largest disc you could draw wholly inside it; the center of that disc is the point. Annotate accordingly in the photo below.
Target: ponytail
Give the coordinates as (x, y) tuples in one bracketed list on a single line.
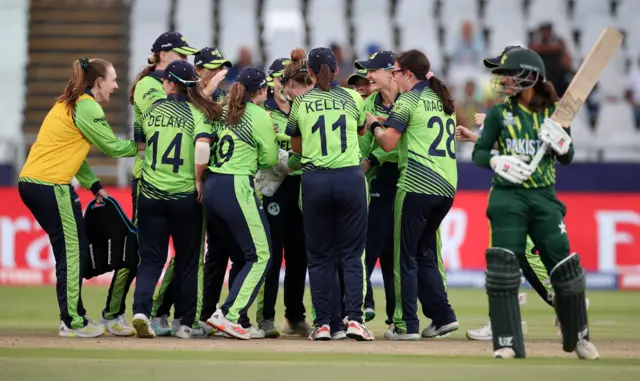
[(325, 78), (84, 73), (296, 70), (545, 96), (211, 109), (152, 63), (237, 103), (443, 93)]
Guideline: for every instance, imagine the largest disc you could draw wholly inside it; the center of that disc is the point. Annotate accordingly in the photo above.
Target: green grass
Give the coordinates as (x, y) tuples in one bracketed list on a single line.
[(613, 317)]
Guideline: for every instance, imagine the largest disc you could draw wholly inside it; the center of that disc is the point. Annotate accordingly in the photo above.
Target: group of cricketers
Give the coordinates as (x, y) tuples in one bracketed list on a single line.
[(290, 164)]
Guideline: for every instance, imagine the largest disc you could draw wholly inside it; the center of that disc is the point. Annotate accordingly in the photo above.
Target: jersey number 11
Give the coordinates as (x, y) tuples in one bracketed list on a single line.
[(341, 124)]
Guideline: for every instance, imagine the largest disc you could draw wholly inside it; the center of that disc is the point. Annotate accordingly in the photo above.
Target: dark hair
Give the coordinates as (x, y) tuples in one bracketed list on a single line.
[(417, 63), (84, 73), (544, 97), (296, 70), (237, 102), (152, 63)]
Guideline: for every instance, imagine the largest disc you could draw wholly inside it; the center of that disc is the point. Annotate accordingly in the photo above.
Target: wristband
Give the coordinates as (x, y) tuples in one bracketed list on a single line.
[(373, 160), (95, 188), (375, 125)]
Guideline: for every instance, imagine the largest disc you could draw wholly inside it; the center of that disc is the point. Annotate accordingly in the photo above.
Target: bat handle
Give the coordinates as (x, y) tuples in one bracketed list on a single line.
[(539, 155)]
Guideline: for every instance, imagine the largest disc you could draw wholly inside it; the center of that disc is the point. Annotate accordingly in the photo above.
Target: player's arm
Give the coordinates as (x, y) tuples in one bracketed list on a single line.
[(90, 120), (362, 114), (397, 124), (266, 138), (293, 127), (486, 141), (203, 135), (147, 92), (87, 179)]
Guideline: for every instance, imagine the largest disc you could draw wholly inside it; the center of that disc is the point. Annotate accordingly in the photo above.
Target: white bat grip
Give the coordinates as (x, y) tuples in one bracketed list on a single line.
[(539, 155)]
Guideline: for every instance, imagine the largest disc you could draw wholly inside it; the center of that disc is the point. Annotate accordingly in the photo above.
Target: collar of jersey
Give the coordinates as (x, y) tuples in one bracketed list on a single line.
[(420, 85), (89, 93), (334, 84), (177, 97), (272, 104), (217, 93), (157, 74), (378, 101)]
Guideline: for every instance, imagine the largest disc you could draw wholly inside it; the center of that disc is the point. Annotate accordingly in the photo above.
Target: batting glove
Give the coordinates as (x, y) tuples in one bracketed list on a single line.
[(511, 168), (555, 136)]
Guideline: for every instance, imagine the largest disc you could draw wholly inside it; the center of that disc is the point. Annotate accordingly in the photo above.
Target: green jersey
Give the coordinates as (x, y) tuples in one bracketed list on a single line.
[(369, 148), (246, 147), (328, 122), (280, 119), (426, 153), (170, 128), (148, 90), (515, 129)]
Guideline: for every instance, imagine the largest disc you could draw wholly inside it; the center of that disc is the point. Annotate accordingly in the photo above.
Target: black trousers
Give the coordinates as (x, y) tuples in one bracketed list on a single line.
[(58, 211), (287, 234), (182, 219)]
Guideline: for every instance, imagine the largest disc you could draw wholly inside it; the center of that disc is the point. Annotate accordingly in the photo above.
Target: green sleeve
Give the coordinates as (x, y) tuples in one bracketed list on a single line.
[(363, 115), (295, 161), (87, 178), (90, 120), (266, 139), (401, 113), (490, 133), (203, 128), (293, 127), (381, 156), (567, 158), (148, 90)]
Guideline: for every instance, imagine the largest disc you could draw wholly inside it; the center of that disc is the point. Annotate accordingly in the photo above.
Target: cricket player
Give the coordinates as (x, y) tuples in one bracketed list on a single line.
[(324, 124), (359, 82), (245, 142), (424, 112), (59, 153), (523, 202), (284, 216), (147, 89), (169, 197)]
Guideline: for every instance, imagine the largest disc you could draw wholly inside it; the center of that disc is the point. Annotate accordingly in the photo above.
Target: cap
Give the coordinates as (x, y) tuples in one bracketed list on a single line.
[(492, 62), (319, 56), (277, 67), (382, 60), (181, 72), (354, 77), (173, 41), (210, 58), (252, 79)]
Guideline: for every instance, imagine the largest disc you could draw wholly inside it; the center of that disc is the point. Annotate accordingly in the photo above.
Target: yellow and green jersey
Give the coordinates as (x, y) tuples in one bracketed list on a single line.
[(328, 122), (170, 127), (148, 90), (515, 129), (426, 153), (246, 147)]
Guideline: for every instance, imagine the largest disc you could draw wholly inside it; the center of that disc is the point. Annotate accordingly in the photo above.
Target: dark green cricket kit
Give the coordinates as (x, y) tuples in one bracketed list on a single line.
[(569, 282), (502, 283)]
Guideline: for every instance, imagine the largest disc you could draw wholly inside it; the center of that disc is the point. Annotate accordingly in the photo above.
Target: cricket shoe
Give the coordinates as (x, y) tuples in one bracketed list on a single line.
[(143, 327), (339, 335), (256, 333), (206, 328), (369, 314), (359, 331), (504, 353), (118, 326), (300, 328), (270, 330), (220, 322), (322, 333), (586, 350), (175, 326), (89, 331), (185, 332), (160, 326), (484, 333), (432, 331), (397, 335)]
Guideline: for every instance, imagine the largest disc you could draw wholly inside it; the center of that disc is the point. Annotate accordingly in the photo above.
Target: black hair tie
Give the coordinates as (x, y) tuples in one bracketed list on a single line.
[(84, 63)]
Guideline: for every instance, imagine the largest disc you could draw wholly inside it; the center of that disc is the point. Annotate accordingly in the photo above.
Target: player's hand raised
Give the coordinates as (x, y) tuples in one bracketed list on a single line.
[(463, 134), (479, 118)]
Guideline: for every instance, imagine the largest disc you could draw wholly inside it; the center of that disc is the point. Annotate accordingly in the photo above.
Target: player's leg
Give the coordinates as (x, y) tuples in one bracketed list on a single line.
[(162, 302), (508, 217), (318, 216), (386, 267), (215, 269), (188, 240), (565, 271), (350, 197), (432, 291), (52, 207), (153, 242), (266, 301), (113, 315), (534, 271), (380, 224), (296, 262), (234, 200)]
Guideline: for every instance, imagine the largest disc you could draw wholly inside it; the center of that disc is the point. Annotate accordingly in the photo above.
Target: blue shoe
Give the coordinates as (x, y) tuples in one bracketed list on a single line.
[(160, 326)]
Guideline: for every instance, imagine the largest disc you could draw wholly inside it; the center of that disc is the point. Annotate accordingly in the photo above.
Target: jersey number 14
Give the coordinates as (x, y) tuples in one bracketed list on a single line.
[(168, 157)]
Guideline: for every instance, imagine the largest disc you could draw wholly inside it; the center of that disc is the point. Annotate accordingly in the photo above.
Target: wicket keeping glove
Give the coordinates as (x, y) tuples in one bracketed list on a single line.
[(282, 168), (511, 168), (555, 136), (267, 181)]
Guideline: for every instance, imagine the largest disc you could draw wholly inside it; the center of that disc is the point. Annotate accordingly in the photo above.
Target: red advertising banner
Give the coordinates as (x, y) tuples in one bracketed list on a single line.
[(603, 228)]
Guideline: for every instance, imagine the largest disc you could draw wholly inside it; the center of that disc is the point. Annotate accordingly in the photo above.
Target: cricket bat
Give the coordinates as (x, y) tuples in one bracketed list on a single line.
[(583, 82)]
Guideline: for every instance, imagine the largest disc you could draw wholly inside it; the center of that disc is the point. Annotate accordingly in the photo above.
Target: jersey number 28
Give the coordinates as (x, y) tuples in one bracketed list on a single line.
[(450, 126), (167, 158)]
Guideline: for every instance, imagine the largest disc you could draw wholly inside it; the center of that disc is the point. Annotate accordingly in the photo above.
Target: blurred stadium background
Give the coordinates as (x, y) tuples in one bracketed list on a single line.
[(602, 189)]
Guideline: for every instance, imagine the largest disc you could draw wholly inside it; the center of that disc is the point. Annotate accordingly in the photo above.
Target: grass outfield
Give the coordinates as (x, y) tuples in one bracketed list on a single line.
[(30, 348)]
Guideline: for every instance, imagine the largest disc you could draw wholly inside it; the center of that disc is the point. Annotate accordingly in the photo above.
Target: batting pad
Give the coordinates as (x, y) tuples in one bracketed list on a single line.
[(502, 284)]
